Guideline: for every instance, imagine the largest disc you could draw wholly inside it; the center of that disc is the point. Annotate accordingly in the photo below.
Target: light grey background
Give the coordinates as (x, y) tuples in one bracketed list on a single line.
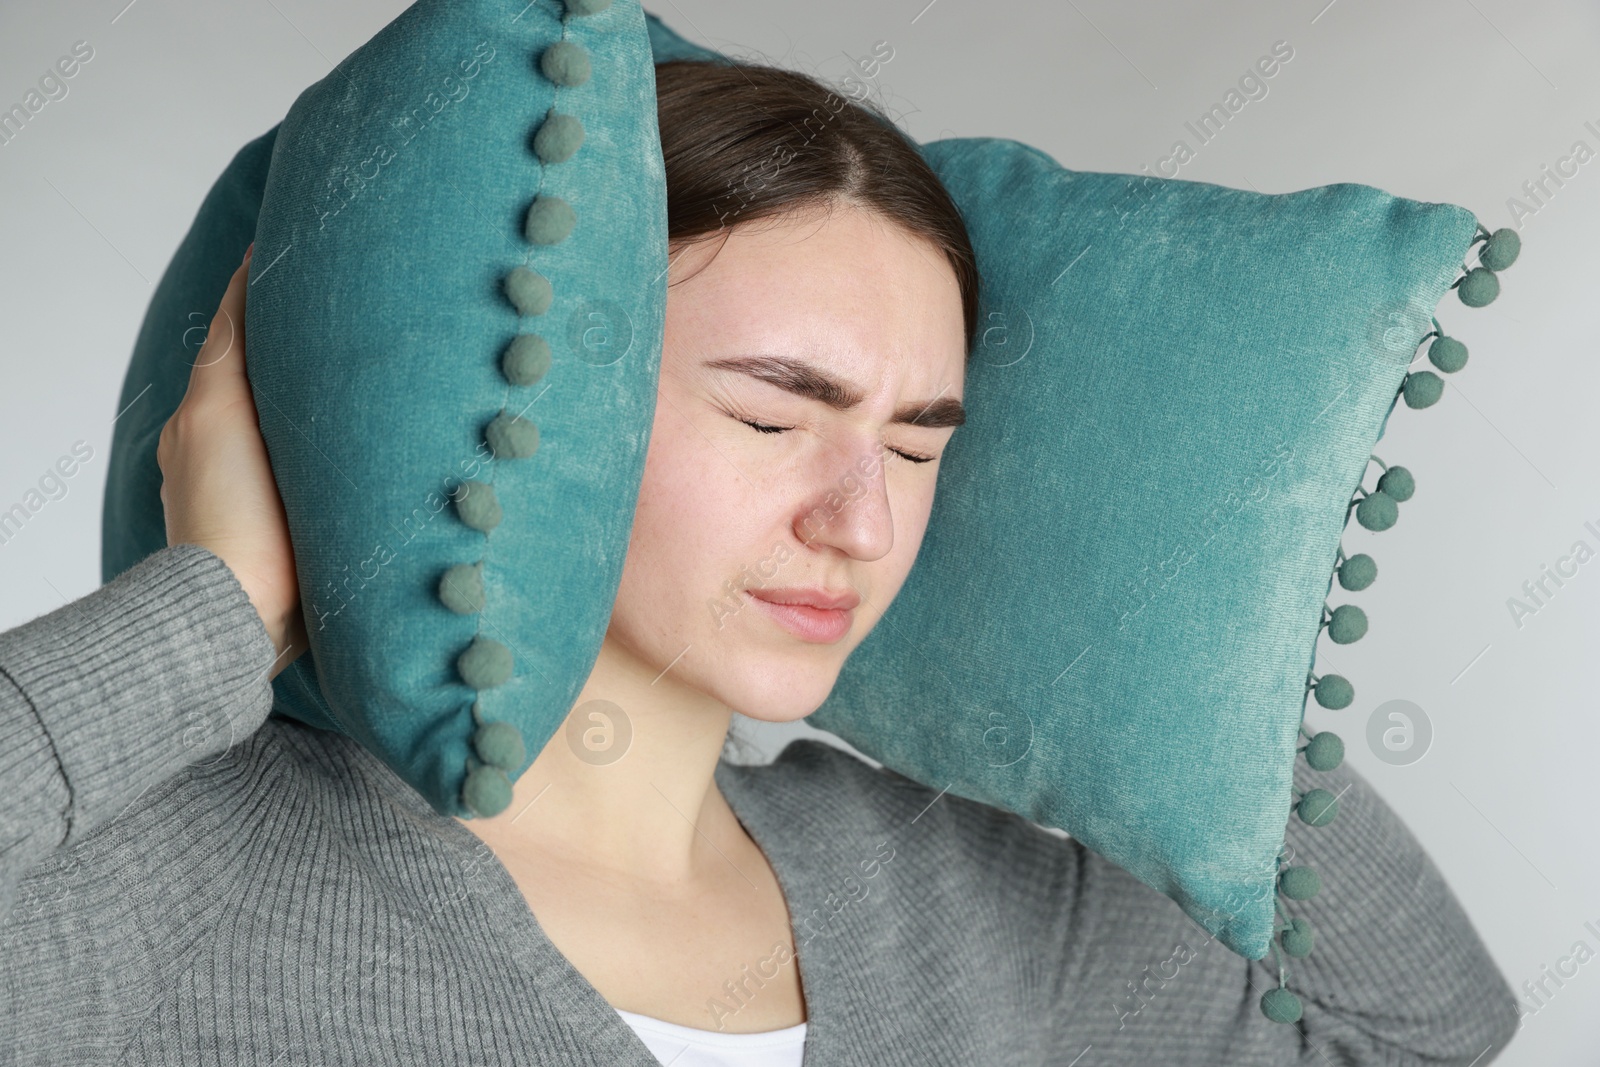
[(1461, 101)]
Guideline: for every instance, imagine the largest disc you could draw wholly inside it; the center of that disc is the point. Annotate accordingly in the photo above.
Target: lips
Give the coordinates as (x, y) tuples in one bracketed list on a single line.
[(813, 615), (811, 598)]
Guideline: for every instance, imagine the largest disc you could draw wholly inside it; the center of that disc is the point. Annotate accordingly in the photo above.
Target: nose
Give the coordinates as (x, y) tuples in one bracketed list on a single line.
[(847, 503)]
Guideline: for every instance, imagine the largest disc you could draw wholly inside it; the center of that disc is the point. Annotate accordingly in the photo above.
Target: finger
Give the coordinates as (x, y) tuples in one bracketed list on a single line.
[(218, 368)]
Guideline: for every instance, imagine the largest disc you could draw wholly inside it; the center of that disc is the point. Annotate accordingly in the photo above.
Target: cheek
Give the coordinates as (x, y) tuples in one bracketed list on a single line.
[(685, 528)]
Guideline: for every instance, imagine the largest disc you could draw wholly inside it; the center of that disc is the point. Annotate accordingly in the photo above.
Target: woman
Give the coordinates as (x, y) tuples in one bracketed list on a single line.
[(189, 883)]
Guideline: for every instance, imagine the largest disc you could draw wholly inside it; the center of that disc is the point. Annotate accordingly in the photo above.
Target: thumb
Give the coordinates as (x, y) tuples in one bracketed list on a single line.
[(217, 373)]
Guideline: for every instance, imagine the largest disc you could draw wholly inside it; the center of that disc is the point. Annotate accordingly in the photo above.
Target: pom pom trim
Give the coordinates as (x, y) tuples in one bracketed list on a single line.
[(496, 749), (1377, 509)]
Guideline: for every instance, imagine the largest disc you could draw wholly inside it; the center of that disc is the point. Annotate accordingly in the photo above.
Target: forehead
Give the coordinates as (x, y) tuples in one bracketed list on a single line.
[(850, 291)]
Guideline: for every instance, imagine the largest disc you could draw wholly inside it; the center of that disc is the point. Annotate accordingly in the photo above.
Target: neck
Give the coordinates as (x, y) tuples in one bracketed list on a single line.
[(625, 784)]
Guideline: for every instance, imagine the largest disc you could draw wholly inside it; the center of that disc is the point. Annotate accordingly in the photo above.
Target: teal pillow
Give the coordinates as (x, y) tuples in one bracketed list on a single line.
[(1112, 621), (454, 321), (454, 318), (1111, 625)]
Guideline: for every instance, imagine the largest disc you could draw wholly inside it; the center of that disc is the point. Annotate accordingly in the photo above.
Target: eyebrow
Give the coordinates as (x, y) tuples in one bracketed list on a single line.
[(805, 380)]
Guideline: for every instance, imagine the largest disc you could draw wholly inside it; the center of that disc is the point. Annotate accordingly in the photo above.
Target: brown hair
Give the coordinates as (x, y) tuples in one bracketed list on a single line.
[(744, 141)]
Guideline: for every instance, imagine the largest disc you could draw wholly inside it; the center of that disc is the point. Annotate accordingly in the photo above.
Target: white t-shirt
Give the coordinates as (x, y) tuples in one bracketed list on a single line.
[(684, 1046)]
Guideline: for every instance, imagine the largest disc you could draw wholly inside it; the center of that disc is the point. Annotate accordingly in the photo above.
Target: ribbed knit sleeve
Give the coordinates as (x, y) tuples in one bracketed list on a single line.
[(1398, 975), (117, 691)]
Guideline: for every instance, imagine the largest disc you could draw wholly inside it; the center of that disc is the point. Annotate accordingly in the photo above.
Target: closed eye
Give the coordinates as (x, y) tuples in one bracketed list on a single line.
[(764, 429), (761, 428)]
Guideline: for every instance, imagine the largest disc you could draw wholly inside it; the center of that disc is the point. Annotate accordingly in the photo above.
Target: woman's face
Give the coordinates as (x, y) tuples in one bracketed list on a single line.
[(838, 330)]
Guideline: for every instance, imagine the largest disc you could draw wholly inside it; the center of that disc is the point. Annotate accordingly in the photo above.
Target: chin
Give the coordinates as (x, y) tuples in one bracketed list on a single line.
[(779, 694)]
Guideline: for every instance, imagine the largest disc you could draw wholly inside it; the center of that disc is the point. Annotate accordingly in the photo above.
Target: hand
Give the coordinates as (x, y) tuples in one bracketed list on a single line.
[(217, 488)]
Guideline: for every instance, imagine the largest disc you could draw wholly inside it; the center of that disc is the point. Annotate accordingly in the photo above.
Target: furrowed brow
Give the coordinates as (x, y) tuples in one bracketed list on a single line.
[(804, 380)]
